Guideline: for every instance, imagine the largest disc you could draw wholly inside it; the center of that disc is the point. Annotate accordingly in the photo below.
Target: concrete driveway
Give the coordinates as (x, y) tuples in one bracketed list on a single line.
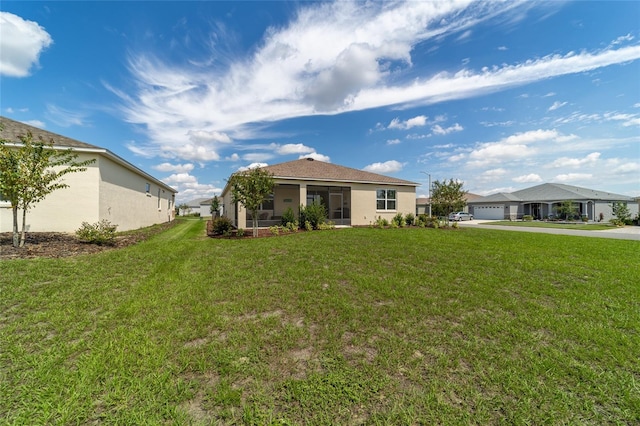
[(624, 233)]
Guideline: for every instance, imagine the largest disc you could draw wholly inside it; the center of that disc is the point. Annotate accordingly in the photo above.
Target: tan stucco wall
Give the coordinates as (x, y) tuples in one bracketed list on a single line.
[(363, 203), (106, 190), (63, 210), (124, 202)]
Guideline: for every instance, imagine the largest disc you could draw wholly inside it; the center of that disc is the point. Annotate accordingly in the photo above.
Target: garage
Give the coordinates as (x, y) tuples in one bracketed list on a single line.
[(493, 211)]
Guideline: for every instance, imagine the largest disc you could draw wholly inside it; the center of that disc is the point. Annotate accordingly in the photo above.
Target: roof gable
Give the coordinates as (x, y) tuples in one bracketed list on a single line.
[(310, 169)]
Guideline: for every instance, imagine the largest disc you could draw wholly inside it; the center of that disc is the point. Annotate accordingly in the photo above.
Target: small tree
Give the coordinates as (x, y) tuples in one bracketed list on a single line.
[(567, 210), (447, 197), (215, 206), (621, 212), (251, 188), (30, 171)]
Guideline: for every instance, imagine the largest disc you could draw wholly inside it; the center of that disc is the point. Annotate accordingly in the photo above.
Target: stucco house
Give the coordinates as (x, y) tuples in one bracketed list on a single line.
[(351, 197), (111, 188), (541, 201)]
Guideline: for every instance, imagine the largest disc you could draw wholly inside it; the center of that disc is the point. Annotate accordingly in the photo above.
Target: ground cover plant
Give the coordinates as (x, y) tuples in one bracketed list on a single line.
[(350, 326)]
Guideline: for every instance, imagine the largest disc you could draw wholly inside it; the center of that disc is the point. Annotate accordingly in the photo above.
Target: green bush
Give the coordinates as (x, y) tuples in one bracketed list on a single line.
[(398, 220), (381, 222), (527, 218), (314, 213), (99, 233), (221, 226), (409, 218), (240, 232), (288, 217)]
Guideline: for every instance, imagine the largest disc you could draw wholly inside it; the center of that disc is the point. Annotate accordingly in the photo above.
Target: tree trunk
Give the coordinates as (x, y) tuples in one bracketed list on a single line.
[(255, 223), (24, 227), (16, 236)]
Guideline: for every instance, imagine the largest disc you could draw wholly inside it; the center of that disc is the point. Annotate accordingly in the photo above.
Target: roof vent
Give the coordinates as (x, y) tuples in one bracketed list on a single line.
[(309, 159)]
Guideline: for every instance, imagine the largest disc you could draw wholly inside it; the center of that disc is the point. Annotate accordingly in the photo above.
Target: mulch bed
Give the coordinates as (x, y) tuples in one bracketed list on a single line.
[(57, 244)]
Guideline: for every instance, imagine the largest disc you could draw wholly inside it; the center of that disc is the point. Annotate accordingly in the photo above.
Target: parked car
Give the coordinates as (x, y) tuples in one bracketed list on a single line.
[(458, 216)]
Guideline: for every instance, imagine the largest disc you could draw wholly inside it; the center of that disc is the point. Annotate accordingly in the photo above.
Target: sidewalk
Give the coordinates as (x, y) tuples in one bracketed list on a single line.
[(624, 233)]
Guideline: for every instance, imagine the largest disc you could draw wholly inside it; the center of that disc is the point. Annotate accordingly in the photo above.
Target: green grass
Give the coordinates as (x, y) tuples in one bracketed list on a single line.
[(351, 326), (561, 225)]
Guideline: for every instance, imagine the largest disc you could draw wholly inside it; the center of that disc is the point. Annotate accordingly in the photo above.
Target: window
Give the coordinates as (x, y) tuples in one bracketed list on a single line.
[(147, 188), (268, 203), (158, 198), (385, 199)]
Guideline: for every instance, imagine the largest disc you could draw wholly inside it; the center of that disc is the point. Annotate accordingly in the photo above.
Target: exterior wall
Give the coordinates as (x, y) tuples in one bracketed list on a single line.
[(65, 209), (125, 202), (363, 203)]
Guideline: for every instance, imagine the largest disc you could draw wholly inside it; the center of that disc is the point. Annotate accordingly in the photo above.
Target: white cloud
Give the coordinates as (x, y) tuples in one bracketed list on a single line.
[(178, 168), (550, 94), (390, 166), (565, 162), (21, 43), (556, 105), (330, 59), (530, 178), (65, 117), (438, 130), (418, 121), (493, 174), (393, 141), (503, 48), (252, 166), (316, 156), (519, 146), (203, 136), (189, 188), (630, 167), (291, 148), (573, 177)]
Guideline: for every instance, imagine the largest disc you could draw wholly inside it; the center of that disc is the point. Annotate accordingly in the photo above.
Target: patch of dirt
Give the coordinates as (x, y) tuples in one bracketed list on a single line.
[(58, 244)]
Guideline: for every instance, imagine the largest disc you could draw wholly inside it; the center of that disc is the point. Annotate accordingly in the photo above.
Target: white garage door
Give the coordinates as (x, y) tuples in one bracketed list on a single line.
[(488, 212)]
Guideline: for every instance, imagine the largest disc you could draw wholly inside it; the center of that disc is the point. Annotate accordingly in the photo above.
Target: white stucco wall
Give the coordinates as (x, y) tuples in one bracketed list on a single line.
[(106, 190), (63, 210), (125, 202)]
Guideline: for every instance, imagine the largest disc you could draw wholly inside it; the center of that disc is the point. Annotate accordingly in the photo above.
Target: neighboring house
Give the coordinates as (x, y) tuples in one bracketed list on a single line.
[(422, 203), (541, 201), (195, 207), (205, 207), (111, 188), (350, 196)]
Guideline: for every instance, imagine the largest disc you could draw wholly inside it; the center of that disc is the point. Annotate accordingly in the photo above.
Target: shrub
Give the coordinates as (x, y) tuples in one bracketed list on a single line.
[(307, 226), (288, 217), (221, 225), (455, 225), (327, 225), (398, 220), (240, 232), (275, 230), (409, 218), (292, 226), (314, 213), (99, 233), (527, 218), (382, 222)]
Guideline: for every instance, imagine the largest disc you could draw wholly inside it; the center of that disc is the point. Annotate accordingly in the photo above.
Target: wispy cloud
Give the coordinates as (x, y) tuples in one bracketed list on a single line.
[(331, 58), (65, 117), (530, 178), (21, 43), (418, 121), (556, 105)]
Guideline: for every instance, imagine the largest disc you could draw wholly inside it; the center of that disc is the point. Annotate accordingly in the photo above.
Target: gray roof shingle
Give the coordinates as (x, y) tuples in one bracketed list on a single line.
[(13, 129)]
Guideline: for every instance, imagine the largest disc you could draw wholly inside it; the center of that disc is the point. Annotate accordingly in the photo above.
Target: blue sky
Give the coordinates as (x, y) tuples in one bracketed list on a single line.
[(501, 95)]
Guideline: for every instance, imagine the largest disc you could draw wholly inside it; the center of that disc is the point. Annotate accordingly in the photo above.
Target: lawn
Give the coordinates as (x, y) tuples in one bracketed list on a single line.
[(349, 326), (561, 225)]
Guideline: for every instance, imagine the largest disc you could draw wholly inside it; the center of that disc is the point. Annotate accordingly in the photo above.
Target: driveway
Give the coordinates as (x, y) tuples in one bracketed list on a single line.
[(624, 233)]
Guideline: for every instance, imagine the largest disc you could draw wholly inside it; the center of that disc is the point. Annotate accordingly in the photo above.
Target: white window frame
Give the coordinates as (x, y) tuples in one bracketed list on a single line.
[(386, 199)]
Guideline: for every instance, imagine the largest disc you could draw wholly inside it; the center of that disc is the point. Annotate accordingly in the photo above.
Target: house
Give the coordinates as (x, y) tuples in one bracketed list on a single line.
[(195, 207), (422, 203), (542, 201), (351, 197), (111, 188)]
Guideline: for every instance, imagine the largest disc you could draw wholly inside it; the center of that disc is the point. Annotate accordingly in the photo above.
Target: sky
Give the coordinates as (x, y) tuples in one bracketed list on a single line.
[(499, 95)]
